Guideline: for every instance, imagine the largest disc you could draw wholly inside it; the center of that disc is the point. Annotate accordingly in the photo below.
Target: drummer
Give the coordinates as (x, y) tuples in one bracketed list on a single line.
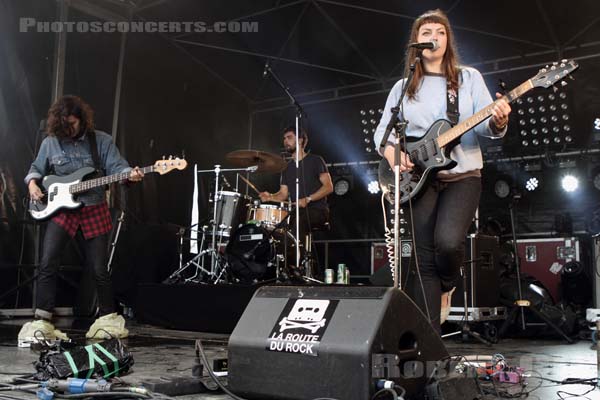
[(314, 184)]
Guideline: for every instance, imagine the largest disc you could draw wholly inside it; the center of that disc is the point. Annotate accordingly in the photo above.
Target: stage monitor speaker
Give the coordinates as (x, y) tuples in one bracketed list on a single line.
[(330, 342)]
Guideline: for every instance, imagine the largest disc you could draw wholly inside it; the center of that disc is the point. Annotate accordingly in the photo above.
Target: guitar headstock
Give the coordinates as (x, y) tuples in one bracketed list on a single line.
[(165, 166), (551, 74)]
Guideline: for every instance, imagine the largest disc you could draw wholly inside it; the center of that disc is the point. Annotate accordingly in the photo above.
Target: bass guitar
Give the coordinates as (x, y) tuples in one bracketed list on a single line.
[(61, 191)]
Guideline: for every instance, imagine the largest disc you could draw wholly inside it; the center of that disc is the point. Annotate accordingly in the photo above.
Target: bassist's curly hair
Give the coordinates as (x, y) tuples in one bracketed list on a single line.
[(57, 124)]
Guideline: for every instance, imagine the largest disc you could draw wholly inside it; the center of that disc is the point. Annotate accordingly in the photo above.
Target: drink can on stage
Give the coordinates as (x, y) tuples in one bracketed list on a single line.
[(329, 276)]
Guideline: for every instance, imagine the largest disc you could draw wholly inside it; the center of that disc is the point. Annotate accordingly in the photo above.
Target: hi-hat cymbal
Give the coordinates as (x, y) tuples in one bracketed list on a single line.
[(266, 162)]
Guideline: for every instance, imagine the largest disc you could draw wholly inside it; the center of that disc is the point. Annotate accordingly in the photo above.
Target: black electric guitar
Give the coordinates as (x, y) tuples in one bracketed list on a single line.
[(61, 191), (431, 152)]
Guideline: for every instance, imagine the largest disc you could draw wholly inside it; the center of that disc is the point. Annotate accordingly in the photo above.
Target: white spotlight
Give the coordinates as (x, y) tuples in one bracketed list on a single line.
[(373, 187), (569, 183), (532, 184)]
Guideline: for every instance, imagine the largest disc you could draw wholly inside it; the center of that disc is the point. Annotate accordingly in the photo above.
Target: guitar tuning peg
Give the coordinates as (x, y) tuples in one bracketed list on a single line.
[(571, 77), (564, 60), (555, 63), (554, 89), (163, 157), (563, 83), (170, 157)]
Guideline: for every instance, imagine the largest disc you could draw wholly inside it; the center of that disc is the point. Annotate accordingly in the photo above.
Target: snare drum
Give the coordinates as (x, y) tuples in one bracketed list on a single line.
[(267, 215), (231, 211)]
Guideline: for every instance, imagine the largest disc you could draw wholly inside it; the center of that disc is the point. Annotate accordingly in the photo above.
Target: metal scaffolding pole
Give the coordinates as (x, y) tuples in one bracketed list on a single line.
[(60, 50)]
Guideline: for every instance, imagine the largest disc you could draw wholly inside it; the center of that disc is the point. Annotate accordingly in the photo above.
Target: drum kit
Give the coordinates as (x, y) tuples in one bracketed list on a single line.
[(246, 241)]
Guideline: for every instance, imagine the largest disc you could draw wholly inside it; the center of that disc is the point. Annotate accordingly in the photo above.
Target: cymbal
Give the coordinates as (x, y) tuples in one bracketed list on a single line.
[(266, 162)]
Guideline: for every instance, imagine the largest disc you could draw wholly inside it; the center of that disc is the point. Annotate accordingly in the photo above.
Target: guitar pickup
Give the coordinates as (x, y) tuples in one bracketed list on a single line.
[(424, 154)]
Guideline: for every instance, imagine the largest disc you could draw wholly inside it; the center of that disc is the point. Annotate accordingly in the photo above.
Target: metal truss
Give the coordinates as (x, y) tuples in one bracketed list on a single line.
[(375, 81)]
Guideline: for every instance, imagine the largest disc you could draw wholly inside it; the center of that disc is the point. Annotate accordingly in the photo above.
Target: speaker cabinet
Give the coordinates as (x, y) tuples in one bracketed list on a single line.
[(330, 342), (483, 275)]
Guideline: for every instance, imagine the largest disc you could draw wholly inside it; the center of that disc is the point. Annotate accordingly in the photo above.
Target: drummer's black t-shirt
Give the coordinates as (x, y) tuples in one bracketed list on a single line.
[(310, 167)]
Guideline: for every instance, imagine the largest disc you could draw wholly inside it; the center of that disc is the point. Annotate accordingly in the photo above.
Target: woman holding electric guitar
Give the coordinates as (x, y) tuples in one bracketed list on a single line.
[(446, 204)]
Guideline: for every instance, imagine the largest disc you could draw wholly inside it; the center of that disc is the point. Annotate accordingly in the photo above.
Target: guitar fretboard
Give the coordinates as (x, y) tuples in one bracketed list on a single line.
[(104, 180), (480, 116)]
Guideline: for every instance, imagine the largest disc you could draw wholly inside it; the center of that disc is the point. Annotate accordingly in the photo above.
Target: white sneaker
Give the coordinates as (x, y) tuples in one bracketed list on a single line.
[(446, 304), (110, 326), (37, 331)]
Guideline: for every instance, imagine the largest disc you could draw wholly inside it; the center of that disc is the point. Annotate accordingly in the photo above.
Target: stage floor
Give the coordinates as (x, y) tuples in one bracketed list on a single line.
[(166, 353)]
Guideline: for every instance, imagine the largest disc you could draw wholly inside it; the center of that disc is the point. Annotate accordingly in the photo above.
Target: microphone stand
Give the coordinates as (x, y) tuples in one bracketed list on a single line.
[(299, 112), (399, 125)]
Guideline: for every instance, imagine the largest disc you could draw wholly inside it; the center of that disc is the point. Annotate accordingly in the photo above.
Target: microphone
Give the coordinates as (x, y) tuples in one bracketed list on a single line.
[(432, 45), (266, 70)]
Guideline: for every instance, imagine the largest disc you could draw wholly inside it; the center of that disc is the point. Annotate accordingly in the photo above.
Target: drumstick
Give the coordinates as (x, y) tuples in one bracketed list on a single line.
[(250, 184)]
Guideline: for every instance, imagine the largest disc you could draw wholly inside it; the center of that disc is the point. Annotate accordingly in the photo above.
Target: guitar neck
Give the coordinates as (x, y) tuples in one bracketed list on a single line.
[(459, 129), (104, 180)]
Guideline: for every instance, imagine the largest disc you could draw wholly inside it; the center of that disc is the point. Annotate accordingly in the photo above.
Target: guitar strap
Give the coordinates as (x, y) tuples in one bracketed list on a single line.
[(94, 149), (452, 105)]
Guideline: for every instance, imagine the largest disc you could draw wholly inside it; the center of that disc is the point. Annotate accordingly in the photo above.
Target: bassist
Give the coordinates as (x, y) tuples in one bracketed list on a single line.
[(73, 143), (447, 204)]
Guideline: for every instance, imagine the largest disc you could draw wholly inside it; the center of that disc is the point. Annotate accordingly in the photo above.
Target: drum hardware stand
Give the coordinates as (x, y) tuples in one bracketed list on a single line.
[(113, 244), (197, 261), (218, 170), (299, 112), (308, 260), (465, 330)]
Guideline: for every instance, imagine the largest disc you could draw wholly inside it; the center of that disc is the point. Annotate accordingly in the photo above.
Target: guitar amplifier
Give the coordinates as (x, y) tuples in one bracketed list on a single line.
[(481, 268), (544, 260), (379, 256), (482, 272)]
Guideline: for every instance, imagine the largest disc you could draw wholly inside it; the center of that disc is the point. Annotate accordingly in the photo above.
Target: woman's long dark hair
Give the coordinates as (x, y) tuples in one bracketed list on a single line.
[(450, 63), (57, 124)]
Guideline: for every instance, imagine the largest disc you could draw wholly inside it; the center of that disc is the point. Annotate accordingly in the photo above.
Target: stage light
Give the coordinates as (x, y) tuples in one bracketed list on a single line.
[(373, 187), (596, 180), (502, 188), (532, 184), (595, 176), (569, 183), (541, 114), (369, 119), (341, 186)]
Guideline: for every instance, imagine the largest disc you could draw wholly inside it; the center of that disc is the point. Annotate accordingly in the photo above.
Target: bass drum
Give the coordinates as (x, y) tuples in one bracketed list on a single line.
[(254, 253)]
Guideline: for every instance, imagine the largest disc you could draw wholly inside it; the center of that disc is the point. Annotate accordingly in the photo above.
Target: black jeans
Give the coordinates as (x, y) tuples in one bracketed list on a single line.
[(95, 253), (442, 217)]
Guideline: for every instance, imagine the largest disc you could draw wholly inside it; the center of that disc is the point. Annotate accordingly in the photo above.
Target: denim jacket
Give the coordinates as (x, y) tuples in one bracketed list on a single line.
[(65, 156)]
